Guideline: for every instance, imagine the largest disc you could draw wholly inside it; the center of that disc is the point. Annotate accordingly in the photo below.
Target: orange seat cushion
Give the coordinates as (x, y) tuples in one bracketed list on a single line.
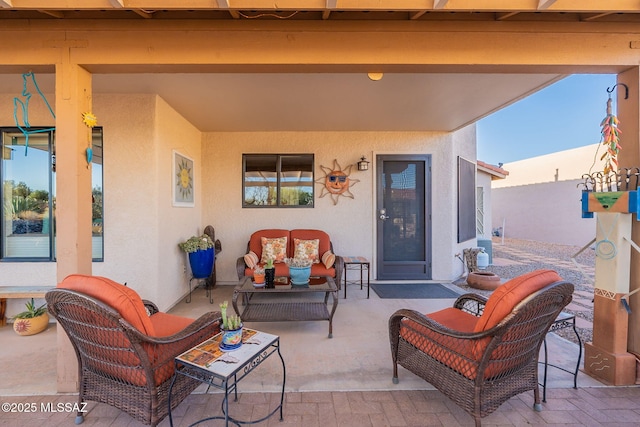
[(121, 298), (440, 346), (461, 355), (504, 299), (166, 324)]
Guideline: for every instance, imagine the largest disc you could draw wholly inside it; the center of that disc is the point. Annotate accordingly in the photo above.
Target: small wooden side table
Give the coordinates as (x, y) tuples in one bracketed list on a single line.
[(356, 263)]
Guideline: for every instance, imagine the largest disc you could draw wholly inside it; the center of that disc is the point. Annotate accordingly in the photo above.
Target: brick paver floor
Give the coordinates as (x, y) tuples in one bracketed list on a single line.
[(605, 406)]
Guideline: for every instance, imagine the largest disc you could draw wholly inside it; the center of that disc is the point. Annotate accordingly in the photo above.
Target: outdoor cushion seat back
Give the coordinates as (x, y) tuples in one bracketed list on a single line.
[(117, 363), (324, 245), (317, 269), (477, 367), (124, 300)]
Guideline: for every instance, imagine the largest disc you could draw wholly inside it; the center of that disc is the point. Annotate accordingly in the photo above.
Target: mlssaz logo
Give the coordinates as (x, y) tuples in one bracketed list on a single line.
[(63, 407)]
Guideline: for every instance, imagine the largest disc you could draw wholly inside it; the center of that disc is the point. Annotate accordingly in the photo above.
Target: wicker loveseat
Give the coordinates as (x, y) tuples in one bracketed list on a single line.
[(125, 347), (481, 352), (326, 265)]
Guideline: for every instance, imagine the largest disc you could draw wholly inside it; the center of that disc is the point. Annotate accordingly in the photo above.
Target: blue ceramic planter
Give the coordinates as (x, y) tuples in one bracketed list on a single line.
[(300, 275), (201, 263)]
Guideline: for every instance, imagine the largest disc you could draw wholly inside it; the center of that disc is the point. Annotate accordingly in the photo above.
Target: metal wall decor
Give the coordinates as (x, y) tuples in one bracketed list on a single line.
[(336, 182)]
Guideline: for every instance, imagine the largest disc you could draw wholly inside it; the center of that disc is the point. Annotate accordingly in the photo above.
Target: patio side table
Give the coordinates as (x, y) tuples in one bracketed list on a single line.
[(208, 363), (564, 320), (356, 263)]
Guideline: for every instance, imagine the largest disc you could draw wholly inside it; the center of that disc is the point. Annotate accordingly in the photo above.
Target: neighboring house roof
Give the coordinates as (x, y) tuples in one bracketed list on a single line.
[(496, 172)]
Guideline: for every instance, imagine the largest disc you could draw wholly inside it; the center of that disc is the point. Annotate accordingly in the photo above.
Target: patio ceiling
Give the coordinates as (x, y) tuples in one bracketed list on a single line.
[(444, 99), (318, 102)]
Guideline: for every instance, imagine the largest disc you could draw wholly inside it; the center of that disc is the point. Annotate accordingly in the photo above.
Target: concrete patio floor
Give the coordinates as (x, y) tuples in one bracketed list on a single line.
[(342, 381)]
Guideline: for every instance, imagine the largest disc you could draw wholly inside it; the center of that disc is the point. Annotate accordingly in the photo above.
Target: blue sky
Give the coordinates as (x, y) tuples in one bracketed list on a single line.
[(562, 116)]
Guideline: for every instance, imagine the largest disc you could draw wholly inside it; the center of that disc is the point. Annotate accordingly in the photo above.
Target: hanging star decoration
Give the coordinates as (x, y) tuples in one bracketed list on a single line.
[(611, 139), (336, 182), (90, 120)]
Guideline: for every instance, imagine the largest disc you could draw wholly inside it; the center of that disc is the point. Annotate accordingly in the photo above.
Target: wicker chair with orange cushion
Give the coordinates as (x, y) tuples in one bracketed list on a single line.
[(481, 352), (125, 347)]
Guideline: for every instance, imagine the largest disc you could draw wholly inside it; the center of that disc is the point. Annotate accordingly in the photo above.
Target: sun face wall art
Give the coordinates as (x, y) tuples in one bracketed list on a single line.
[(182, 181), (336, 182)]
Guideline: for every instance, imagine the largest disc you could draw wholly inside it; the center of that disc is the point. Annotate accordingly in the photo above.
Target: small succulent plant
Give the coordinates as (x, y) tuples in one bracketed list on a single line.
[(298, 262), (229, 322), (195, 243), (269, 263), (31, 311)]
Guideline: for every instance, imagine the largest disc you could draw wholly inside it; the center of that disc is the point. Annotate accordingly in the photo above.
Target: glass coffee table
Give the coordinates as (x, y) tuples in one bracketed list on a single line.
[(286, 302)]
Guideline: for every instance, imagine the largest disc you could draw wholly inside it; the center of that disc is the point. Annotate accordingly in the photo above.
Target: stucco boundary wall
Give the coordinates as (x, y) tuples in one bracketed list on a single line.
[(544, 212)]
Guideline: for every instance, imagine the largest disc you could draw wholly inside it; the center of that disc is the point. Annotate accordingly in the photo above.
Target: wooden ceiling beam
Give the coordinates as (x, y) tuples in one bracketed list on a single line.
[(418, 14), (598, 16), (503, 16), (416, 7), (54, 13), (224, 4), (142, 13), (439, 4), (545, 4)]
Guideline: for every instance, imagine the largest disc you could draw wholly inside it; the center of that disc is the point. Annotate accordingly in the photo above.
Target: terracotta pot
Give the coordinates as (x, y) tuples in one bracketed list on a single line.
[(31, 326), (483, 280)]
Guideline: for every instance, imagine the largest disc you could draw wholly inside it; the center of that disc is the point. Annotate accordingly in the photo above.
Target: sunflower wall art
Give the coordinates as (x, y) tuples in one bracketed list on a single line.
[(336, 182), (182, 181)]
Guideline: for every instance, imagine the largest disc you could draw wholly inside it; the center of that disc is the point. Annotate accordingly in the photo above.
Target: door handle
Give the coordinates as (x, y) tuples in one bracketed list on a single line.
[(383, 214)]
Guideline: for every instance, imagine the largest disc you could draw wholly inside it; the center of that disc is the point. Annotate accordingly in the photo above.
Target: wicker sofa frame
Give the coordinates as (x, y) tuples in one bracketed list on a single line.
[(120, 366), (241, 266), (508, 364)]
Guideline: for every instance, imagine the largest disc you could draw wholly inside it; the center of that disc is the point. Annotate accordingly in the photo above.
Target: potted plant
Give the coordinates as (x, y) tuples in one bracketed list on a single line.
[(32, 321), (258, 276), (299, 270), (231, 329), (269, 273), (201, 252)]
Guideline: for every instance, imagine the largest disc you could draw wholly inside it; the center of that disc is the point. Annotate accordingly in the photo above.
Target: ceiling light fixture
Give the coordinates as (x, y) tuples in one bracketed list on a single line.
[(375, 76)]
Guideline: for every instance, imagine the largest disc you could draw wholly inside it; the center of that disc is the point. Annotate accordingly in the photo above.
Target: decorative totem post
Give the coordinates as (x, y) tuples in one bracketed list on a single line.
[(613, 197)]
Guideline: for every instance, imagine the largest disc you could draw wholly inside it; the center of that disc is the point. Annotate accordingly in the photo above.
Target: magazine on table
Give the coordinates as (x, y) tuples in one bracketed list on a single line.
[(209, 356)]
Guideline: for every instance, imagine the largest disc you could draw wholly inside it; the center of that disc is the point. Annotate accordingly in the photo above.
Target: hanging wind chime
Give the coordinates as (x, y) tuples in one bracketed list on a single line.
[(90, 120), (610, 138)]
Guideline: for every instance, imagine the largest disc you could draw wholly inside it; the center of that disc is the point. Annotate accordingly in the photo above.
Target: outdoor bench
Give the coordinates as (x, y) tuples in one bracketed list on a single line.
[(19, 292)]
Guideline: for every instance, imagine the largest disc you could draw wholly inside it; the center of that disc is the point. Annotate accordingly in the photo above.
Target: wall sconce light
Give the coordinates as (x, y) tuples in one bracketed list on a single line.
[(363, 164)]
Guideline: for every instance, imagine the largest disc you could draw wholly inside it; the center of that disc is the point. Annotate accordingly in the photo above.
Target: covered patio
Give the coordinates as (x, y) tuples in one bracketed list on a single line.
[(346, 380), (201, 78)]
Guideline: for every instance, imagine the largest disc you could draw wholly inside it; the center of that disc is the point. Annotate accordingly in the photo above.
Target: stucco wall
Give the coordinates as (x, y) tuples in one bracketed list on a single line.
[(351, 222), (540, 198), (142, 228), (548, 212)]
